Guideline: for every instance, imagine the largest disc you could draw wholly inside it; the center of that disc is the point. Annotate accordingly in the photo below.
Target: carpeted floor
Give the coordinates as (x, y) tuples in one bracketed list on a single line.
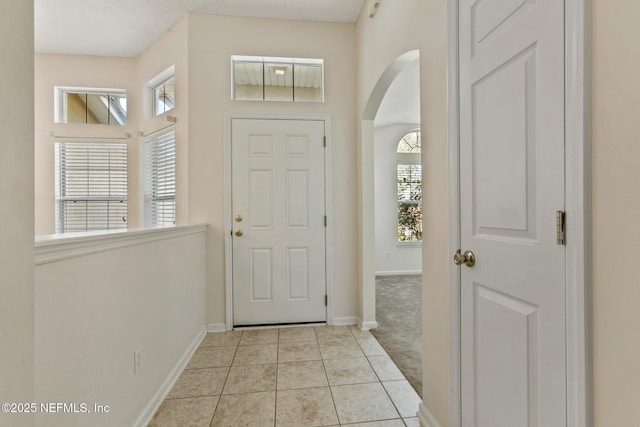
[(399, 314)]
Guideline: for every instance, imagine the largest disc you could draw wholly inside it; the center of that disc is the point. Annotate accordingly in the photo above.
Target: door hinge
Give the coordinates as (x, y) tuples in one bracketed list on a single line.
[(326, 300), (560, 227), (325, 220), (324, 141)]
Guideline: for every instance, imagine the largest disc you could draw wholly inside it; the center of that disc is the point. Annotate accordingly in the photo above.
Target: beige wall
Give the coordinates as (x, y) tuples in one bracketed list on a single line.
[(169, 50), (616, 192), (202, 69), (616, 207), (78, 71), (616, 107), (400, 27), (16, 209), (92, 317), (209, 101)]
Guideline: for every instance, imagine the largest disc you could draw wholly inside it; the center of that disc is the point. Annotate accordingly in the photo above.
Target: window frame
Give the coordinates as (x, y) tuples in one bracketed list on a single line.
[(277, 62), (60, 113), (156, 159), (148, 99), (156, 100), (65, 176), (403, 159)]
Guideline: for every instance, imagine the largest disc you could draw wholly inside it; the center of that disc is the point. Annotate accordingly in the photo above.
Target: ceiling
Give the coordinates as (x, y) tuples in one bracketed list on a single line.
[(126, 28)]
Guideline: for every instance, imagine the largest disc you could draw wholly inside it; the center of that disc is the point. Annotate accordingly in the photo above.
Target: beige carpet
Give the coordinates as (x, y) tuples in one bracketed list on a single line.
[(399, 314)]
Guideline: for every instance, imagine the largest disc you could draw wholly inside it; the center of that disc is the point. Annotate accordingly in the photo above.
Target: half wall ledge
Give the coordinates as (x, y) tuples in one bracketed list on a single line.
[(57, 247)]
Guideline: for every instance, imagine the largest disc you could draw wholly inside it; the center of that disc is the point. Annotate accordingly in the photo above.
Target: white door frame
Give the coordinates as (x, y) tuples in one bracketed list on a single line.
[(228, 213), (578, 210)]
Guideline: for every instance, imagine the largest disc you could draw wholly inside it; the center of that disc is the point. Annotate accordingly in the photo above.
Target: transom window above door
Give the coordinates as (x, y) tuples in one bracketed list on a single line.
[(277, 79)]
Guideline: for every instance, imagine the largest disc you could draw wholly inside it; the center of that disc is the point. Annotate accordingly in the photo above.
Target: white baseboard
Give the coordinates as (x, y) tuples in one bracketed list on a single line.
[(399, 273), (425, 417), (344, 321), (152, 407), (216, 327), (365, 326)]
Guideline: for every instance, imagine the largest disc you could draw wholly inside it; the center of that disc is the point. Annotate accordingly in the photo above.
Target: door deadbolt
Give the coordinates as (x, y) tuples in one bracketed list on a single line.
[(238, 218), (238, 233), (468, 258)]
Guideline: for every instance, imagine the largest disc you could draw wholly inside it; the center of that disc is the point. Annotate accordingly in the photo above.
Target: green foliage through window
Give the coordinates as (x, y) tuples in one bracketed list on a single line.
[(409, 177)]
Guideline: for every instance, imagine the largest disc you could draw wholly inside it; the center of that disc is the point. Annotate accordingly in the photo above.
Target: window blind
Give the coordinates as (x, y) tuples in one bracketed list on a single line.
[(91, 186), (160, 179), (409, 183), (409, 202)]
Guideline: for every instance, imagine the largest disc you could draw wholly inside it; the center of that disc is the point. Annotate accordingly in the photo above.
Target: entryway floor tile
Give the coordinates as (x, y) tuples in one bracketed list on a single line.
[(327, 376)]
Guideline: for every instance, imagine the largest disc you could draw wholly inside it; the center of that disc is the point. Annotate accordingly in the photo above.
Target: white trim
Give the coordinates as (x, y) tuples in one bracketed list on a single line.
[(399, 273), (455, 404), (152, 407), (60, 101), (578, 202), (147, 92), (328, 207), (228, 213), (228, 223), (344, 321), (216, 327), (578, 209), (365, 326), (409, 244), (366, 215), (58, 247), (425, 417), (161, 77)]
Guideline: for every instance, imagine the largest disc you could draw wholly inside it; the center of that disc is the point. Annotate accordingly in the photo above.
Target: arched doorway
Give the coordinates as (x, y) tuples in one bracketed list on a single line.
[(392, 113)]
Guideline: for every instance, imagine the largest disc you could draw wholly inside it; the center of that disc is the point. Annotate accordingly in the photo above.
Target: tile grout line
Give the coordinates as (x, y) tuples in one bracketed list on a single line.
[(324, 367), (379, 379), (275, 398), (225, 381), (278, 361)]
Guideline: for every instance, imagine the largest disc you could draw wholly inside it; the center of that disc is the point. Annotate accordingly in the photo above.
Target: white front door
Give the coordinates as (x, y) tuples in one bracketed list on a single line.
[(513, 355), (278, 203)]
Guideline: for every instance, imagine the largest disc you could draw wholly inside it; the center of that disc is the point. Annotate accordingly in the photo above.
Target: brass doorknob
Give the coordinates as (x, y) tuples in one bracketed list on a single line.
[(238, 233), (468, 258)]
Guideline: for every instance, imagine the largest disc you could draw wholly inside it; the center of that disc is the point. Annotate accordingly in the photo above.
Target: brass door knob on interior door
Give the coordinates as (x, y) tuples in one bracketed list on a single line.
[(238, 233), (468, 258)]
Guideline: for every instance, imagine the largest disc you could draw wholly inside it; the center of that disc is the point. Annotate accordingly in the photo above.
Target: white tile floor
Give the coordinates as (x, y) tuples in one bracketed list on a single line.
[(306, 376)]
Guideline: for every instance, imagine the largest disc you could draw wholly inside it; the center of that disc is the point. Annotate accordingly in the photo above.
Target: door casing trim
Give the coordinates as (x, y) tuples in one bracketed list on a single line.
[(577, 207), (228, 213)]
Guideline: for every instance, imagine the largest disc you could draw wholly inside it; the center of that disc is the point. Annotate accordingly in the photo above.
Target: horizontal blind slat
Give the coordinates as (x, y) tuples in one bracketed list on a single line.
[(91, 186), (159, 184)]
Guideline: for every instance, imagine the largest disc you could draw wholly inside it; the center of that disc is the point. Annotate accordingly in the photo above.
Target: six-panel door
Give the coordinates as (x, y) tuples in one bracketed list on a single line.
[(278, 203)]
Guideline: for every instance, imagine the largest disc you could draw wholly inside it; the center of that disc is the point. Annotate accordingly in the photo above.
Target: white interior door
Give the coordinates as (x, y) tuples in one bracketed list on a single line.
[(278, 202), (513, 356)]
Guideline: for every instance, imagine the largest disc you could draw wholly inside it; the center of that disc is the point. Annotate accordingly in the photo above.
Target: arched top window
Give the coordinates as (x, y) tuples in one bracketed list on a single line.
[(409, 181), (410, 143)]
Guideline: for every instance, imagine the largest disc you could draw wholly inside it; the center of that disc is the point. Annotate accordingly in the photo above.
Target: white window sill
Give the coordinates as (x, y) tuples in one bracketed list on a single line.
[(57, 247), (409, 244)]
